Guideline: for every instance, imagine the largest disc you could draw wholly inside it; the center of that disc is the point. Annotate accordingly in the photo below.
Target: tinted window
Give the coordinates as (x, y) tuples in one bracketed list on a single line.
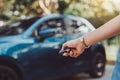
[(77, 25), (17, 27), (56, 24)]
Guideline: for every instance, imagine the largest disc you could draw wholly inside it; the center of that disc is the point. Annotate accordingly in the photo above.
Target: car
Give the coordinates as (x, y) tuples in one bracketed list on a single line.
[(33, 52)]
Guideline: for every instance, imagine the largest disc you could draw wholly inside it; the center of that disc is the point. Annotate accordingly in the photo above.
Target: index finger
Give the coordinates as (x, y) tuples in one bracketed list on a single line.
[(63, 46)]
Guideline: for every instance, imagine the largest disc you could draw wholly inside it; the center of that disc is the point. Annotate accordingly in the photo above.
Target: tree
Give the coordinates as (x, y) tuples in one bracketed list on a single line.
[(93, 10), (5, 6)]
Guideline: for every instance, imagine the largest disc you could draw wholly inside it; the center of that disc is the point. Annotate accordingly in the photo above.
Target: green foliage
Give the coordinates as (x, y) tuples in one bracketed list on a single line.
[(95, 11), (5, 9), (13, 9)]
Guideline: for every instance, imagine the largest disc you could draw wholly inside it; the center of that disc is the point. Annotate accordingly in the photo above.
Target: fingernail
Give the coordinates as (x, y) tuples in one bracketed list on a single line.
[(64, 54)]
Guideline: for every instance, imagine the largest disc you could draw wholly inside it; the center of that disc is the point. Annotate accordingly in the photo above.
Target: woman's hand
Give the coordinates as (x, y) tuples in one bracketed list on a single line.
[(76, 44)]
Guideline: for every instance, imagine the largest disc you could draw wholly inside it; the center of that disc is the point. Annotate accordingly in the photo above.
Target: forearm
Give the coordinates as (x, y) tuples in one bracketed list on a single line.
[(107, 30)]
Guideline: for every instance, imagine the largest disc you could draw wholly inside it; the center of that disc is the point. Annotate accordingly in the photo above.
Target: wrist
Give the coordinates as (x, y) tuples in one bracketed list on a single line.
[(82, 41)]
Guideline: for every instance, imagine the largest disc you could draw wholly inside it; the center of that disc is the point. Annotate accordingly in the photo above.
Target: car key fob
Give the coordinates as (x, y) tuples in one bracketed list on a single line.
[(66, 50)]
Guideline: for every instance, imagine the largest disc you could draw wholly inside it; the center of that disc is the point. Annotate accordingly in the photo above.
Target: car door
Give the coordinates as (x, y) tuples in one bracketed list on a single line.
[(43, 55)]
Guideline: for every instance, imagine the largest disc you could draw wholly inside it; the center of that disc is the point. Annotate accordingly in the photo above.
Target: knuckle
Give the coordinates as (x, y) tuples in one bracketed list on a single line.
[(64, 45)]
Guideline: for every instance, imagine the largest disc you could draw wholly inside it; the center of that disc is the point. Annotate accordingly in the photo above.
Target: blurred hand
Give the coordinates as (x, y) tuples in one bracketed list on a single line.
[(76, 44)]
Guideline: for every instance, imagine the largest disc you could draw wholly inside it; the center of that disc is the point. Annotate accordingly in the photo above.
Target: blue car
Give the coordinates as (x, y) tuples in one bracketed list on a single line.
[(31, 52)]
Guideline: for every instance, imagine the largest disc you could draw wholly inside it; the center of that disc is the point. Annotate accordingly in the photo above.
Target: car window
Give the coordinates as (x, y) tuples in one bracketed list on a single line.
[(56, 24), (80, 27), (77, 25), (51, 26), (17, 27)]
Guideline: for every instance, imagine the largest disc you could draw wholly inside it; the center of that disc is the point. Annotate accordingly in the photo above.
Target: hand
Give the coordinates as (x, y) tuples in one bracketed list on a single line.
[(76, 44)]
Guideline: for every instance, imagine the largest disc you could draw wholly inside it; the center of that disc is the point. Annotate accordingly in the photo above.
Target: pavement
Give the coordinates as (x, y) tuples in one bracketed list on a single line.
[(82, 76)]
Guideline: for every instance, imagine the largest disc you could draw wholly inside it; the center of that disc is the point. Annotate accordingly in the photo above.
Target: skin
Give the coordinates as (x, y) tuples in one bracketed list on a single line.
[(107, 30)]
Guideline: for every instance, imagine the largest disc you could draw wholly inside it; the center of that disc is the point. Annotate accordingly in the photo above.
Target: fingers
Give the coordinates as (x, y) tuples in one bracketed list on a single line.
[(66, 54), (76, 49), (67, 44), (72, 53), (63, 46)]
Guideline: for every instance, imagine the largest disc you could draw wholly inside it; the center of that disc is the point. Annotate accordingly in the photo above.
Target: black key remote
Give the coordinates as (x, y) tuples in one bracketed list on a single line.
[(66, 50)]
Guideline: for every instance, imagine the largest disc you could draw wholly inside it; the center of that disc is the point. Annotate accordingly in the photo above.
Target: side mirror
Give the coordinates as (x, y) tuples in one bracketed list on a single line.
[(47, 33)]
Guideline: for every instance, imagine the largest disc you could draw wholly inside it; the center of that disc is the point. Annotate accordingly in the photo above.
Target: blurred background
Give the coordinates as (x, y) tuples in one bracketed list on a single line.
[(97, 12)]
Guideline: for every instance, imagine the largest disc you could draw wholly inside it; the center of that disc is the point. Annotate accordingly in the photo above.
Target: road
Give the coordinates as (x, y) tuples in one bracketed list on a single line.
[(107, 75)]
